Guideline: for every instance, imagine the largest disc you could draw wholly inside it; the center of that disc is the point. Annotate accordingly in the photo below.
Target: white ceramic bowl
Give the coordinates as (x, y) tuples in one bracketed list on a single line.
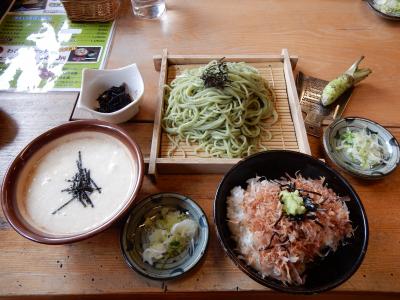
[(95, 82)]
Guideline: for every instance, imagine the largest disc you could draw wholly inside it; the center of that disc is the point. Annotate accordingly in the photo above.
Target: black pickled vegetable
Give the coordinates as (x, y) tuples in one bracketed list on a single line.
[(296, 218), (82, 186), (114, 99), (309, 204)]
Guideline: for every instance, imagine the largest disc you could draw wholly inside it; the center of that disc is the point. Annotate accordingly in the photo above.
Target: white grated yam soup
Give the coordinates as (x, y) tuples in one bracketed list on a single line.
[(39, 189)]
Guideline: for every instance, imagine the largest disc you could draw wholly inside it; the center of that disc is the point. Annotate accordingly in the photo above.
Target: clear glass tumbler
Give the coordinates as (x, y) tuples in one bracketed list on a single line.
[(148, 9)]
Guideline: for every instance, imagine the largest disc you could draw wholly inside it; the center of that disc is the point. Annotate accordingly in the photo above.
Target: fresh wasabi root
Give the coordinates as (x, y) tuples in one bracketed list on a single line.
[(339, 85)]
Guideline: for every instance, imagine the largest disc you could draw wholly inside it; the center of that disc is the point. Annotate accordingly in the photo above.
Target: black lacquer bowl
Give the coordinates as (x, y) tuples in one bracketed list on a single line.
[(324, 275)]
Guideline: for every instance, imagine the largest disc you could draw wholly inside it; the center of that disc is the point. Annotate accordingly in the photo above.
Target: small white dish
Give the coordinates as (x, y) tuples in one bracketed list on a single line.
[(95, 82)]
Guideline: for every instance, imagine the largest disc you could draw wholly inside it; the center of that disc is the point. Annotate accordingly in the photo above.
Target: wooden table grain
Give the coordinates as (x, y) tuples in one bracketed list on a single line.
[(326, 35)]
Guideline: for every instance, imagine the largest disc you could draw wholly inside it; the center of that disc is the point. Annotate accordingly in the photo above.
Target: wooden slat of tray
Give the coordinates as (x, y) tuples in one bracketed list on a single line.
[(283, 131)]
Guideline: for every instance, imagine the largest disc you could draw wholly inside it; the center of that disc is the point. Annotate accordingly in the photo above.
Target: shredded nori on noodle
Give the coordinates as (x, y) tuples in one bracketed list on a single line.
[(216, 75)]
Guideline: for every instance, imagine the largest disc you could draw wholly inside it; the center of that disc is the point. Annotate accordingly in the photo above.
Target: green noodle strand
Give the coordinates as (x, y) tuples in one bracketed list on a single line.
[(224, 122)]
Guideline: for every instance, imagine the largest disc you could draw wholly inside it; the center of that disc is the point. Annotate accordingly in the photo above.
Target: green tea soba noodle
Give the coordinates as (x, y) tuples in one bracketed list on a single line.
[(220, 108)]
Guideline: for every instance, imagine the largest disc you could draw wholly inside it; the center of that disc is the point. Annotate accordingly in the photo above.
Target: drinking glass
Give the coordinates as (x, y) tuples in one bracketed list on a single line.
[(148, 9)]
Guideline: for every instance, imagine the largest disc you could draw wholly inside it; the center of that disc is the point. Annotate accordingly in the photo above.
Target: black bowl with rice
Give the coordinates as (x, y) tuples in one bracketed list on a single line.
[(271, 254)]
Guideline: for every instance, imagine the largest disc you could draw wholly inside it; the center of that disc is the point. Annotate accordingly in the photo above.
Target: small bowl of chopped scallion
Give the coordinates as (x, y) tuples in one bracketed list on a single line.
[(164, 236), (388, 9), (361, 147)]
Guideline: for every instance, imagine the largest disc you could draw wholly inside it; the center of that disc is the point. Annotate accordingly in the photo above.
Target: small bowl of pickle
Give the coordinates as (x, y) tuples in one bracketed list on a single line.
[(164, 236), (111, 95)]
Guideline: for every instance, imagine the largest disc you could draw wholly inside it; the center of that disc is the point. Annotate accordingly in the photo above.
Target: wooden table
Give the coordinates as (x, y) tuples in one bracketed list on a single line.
[(326, 35)]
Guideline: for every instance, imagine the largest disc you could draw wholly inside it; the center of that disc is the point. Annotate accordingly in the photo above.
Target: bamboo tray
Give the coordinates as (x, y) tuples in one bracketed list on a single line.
[(288, 132)]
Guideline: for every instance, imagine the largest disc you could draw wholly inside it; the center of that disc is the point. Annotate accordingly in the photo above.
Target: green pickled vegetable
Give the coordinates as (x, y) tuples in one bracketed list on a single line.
[(168, 234), (339, 85), (292, 203), (362, 147)]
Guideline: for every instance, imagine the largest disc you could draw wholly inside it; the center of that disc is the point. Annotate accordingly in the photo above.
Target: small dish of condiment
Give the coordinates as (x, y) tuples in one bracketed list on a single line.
[(388, 9), (361, 147), (111, 95), (72, 182), (164, 236)]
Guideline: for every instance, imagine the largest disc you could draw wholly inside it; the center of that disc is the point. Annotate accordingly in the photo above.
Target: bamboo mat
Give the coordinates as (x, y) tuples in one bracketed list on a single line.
[(283, 131)]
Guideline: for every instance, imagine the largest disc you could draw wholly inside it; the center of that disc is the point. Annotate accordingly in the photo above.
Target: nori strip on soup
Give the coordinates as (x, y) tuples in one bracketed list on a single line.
[(82, 186)]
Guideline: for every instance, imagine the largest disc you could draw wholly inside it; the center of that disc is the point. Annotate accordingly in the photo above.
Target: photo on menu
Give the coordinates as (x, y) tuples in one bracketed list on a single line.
[(83, 54), (28, 5)]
